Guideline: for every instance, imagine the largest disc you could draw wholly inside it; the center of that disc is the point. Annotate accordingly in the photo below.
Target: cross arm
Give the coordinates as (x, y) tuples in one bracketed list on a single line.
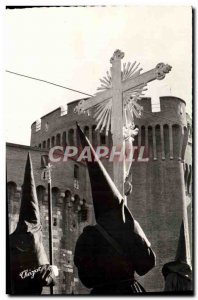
[(84, 105), (159, 72)]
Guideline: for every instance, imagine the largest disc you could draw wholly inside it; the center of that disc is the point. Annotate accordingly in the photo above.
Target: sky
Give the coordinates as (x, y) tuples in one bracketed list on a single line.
[(72, 46)]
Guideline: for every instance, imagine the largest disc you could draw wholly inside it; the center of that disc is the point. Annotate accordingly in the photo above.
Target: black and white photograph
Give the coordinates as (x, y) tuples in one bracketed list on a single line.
[(99, 139)]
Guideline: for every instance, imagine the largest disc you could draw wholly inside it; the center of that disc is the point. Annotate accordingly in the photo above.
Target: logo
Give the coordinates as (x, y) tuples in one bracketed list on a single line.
[(113, 154), (29, 273)]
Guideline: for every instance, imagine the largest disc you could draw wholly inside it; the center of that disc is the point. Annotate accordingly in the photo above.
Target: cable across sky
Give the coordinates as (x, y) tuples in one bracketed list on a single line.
[(34, 78), (77, 91)]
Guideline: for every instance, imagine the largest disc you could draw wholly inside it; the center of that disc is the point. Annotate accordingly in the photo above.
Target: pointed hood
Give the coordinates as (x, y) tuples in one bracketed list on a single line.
[(110, 209), (26, 241), (182, 253), (181, 265), (106, 196), (29, 217)]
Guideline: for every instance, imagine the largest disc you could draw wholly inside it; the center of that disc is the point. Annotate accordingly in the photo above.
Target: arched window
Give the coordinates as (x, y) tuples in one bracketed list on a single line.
[(55, 195), (143, 136), (158, 140), (176, 140), (44, 144), (102, 138), (58, 142), (76, 177), (166, 140), (67, 196), (110, 140), (76, 172), (135, 142), (94, 136), (64, 139), (71, 137), (39, 145), (150, 141), (83, 214), (76, 199), (40, 190), (76, 203), (53, 141), (48, 143)]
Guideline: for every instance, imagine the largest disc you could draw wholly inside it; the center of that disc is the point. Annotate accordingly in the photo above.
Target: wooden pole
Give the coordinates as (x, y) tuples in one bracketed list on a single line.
[(50, 225), (117, 121)]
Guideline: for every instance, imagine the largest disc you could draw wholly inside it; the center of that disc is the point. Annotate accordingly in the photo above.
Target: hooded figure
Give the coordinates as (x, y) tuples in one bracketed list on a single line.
[(29, 265), (108, 254), (178, 273)]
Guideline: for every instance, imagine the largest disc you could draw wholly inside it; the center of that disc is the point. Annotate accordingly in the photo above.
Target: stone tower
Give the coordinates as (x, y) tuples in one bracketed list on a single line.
[(159, 199), (161, 195)]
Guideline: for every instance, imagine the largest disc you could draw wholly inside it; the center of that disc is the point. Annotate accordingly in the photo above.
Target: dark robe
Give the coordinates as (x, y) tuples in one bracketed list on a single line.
[(178, 277), (176, 282), (106, 270), (178, 273), (29, 267)]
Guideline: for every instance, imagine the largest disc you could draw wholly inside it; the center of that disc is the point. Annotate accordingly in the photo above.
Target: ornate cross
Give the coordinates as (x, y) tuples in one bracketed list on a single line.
[(117, 102)]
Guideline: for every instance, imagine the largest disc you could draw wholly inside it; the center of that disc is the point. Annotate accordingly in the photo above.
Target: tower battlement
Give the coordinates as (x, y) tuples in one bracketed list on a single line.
[(163, 133)]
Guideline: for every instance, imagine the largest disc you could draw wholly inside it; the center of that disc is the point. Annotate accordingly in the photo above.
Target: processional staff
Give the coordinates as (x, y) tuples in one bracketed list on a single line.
[(46, 175)]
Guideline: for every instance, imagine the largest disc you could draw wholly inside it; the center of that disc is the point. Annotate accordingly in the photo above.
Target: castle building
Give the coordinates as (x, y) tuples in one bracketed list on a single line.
[(162, 183)]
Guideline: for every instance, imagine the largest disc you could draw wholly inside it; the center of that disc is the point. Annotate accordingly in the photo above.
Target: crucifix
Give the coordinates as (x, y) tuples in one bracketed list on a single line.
[(116, 103)]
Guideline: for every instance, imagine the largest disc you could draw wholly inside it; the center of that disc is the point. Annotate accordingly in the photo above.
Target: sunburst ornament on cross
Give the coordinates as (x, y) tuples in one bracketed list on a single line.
[(131, 97), (130, 101)]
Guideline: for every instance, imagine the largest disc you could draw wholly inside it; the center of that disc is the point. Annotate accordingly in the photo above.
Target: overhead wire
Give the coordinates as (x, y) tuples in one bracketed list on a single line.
[(34, 78), (77, 91)]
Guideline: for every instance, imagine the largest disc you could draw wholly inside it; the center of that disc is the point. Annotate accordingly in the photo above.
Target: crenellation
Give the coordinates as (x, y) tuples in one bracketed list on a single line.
[(64, 110), (38, 125)]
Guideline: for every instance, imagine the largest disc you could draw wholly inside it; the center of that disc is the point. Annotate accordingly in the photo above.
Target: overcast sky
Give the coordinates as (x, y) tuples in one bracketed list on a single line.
[(72, 46)]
